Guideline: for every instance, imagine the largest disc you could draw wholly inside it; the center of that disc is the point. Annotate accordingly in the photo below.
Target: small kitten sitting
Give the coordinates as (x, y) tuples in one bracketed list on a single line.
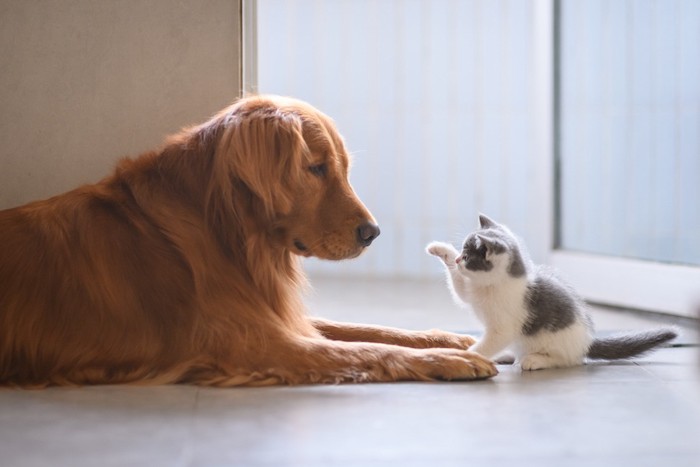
[(527, 308)]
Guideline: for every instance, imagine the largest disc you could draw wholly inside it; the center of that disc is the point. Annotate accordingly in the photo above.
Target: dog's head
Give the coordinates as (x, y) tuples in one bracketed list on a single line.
[(293, 162)]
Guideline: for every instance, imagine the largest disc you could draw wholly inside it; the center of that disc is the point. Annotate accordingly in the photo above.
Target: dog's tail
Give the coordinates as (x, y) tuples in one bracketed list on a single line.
[(628, 345)]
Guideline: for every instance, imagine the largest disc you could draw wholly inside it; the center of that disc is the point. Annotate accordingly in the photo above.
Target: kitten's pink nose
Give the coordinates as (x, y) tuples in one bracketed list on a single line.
[(458, 259)]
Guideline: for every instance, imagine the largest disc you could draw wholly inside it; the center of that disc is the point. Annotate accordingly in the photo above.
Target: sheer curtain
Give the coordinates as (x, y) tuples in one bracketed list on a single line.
[(444, 103)]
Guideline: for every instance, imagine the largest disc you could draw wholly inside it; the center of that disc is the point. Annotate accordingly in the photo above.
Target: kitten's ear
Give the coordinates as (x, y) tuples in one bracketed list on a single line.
[(485, 222), (493, 245), (485, 241)]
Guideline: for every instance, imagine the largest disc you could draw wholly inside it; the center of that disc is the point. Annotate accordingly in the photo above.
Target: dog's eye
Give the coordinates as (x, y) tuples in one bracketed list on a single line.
[(320, 170)]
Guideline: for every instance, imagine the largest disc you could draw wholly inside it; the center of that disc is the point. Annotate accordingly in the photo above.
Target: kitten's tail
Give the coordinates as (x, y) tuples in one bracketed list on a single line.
[(623, 346)]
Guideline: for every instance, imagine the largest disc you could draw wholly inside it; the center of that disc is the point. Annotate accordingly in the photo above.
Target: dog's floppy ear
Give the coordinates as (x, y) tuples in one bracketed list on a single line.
[(263, 148)]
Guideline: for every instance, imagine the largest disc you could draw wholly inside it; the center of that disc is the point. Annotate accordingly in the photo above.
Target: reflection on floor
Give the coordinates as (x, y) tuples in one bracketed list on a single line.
[(641, 413)]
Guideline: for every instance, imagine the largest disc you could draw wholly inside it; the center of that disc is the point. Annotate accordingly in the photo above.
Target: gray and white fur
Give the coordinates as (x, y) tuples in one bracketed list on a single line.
[(528, 309)]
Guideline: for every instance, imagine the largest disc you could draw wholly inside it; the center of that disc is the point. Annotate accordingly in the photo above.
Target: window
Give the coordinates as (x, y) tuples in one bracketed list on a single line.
[(629, 150), (449, 108)]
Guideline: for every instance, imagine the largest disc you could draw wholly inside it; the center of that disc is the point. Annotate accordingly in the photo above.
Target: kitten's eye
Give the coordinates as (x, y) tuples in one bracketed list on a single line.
[(319, 170)]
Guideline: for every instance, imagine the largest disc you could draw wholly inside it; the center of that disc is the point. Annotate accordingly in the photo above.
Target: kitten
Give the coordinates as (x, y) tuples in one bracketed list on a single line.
[(526, 307)]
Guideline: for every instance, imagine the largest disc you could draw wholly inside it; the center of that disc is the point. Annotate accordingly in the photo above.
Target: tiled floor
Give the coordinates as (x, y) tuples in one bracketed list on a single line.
[(643, 413)]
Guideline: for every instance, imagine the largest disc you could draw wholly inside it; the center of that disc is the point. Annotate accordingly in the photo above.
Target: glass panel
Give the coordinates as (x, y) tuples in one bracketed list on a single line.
[(630, 128)]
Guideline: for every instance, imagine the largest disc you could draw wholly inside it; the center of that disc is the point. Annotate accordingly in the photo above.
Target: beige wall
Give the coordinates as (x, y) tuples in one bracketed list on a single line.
[(85, 82)]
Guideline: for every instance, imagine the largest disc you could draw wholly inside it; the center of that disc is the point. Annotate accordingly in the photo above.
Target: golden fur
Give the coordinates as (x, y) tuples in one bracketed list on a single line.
[(182, 266)]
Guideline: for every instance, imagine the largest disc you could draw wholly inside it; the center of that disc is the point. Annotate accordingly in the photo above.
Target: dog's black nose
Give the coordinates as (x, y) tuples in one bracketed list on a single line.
[(366, 233)]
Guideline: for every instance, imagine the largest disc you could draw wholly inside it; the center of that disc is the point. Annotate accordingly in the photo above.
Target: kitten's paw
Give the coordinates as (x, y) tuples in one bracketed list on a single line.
[(446, 252), (505, 358), (535, 362)]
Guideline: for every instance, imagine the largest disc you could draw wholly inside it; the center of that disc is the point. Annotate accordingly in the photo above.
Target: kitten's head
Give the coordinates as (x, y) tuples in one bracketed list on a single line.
[(491, 253)]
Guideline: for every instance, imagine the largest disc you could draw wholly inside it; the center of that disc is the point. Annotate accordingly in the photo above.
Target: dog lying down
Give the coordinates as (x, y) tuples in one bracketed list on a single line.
[(182, 266)]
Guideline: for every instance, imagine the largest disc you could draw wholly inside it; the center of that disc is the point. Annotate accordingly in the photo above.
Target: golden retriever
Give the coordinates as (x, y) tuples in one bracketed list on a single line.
[(182, 267)]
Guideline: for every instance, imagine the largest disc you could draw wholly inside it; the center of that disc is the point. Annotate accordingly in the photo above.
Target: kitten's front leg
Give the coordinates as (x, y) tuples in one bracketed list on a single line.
[(492, 344), (459, 284)]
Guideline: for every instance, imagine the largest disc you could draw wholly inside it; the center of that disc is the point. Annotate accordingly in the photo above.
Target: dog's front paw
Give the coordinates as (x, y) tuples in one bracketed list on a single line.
[(440, 338), (449, 365), (446, 252)]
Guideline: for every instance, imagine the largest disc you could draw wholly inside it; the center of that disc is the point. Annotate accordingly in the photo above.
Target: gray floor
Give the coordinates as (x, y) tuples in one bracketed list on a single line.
[(643, 413)]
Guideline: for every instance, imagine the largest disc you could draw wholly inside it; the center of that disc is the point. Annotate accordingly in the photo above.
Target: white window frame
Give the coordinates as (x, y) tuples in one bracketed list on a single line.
[(629, 283), (249, 46)]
